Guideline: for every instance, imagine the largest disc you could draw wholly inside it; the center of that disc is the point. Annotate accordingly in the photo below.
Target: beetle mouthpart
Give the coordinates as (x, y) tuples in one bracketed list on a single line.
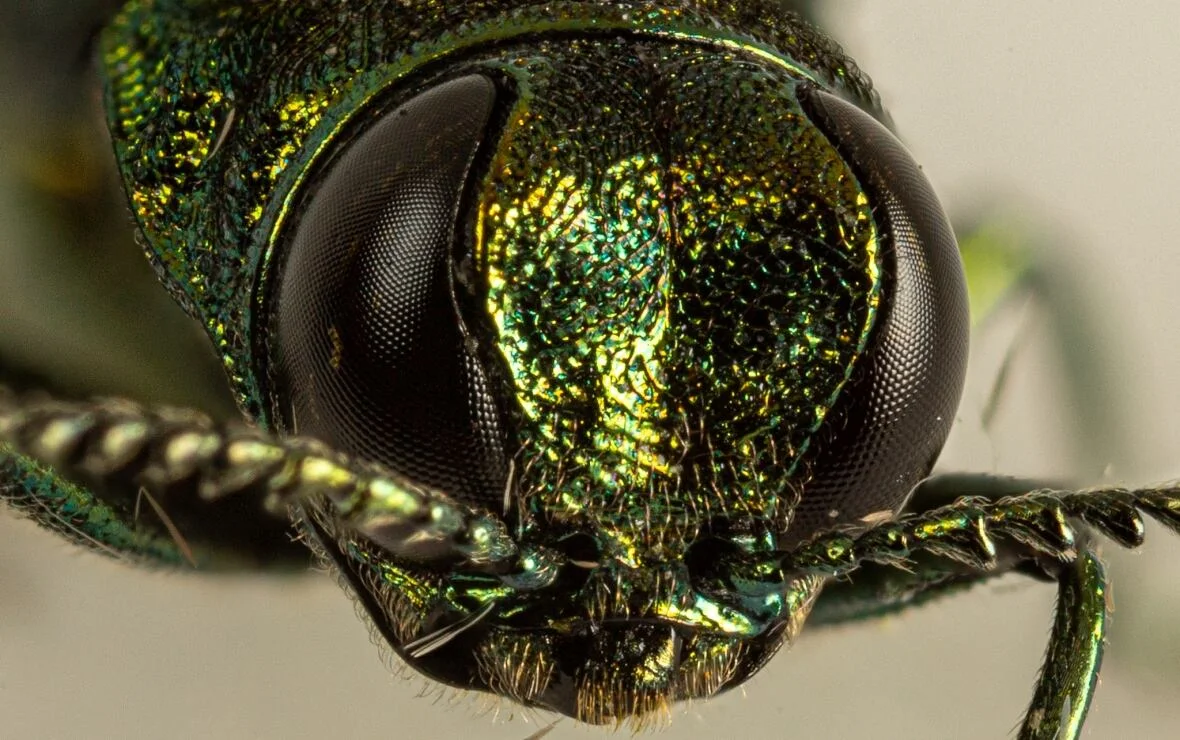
[(614, 673), (630, 673), (611, 673)]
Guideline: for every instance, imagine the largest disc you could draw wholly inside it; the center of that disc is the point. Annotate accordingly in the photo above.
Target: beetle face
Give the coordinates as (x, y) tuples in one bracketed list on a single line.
[(530, 268), (659, 305), (639, 287)]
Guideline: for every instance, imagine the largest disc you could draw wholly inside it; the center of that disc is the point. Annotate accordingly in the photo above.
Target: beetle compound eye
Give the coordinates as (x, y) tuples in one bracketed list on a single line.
[(370, 348), (891, 420)]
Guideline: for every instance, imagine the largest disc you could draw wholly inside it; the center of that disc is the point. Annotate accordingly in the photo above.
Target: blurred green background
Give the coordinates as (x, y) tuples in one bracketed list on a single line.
[(1055, 121)]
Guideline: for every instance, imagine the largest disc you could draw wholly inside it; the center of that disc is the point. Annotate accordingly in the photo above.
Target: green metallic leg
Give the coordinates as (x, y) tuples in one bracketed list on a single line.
[(876, 590), (1045, 533), (1070, 672), (120, 516), (189, 464), (105, 526)]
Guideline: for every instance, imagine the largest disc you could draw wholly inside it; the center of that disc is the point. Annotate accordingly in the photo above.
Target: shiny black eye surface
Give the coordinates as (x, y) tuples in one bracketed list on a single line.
[(371, 351), (889, 424)]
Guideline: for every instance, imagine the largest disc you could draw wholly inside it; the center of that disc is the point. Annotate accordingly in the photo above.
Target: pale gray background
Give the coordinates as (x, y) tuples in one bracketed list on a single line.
[(1066, 110)]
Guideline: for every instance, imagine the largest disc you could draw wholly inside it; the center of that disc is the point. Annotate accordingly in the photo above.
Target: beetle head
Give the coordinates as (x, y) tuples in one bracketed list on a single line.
[(657, 305)]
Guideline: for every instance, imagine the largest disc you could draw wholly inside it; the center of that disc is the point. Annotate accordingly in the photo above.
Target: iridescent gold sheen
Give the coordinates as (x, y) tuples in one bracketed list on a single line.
[(679, 272), (694, 321), (680, 280), (217, 110)]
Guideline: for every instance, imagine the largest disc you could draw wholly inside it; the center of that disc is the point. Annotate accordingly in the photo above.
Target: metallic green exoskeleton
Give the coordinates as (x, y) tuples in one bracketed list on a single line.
[(594, 344)]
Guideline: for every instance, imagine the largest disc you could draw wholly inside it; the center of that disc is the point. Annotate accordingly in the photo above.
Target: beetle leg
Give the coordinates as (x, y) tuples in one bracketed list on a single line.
[(951, 546), (1040, 525), (188, 462), (876, 590), (1070, 671), (73, 469)]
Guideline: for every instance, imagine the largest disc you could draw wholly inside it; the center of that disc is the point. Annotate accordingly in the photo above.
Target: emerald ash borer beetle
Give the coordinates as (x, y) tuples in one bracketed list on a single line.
[(594, 345)]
